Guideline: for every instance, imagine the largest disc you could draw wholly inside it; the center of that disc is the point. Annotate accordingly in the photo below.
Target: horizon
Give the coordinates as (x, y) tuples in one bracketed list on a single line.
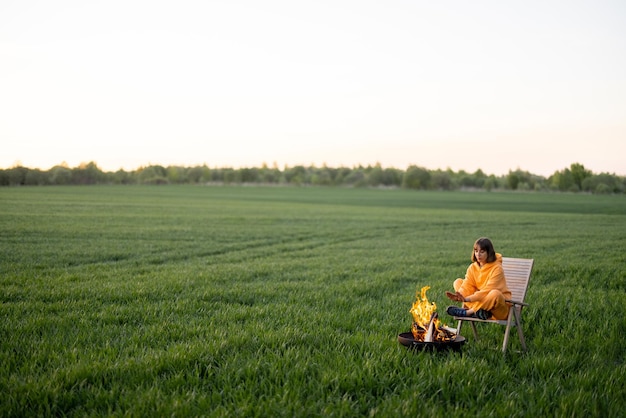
[(286, 167), (490, 86)]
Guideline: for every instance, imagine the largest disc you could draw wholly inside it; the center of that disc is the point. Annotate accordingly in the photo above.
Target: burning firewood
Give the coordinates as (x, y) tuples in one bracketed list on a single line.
[(430, 328), (426, 325)]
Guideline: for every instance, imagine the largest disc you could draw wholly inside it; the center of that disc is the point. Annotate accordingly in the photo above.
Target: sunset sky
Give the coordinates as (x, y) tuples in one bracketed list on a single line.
[(495, 85)]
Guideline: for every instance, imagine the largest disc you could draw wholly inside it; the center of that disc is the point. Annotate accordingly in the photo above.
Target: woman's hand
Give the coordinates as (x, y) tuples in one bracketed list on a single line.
[(455, 296)]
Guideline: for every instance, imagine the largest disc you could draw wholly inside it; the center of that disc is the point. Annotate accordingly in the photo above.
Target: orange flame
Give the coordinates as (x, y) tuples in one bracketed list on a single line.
[(422, 309)]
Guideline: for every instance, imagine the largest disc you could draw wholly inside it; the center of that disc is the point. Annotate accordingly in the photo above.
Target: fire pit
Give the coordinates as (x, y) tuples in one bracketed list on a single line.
[(407, 340), (427, 332)]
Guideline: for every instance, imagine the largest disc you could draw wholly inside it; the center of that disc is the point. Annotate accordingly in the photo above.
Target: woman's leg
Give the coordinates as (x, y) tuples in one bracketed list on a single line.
[(494, 303)]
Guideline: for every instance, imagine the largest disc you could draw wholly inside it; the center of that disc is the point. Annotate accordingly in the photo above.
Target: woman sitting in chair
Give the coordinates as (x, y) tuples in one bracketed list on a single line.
[(484, 289)]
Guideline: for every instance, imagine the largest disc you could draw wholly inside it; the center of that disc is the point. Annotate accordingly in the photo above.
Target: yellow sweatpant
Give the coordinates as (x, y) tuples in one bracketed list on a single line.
[(492, 301)]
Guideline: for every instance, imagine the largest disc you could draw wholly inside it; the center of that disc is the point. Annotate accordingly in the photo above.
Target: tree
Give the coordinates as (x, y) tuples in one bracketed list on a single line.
[(512, 180), (296, 175), (441, 180), (521, 180), (416, 178), (603, 183), (375, 175), (122, 177), (249, 175), (153, 174), (270, 175), (573, 179), (230, 175), (322, 177), (479, 178), (563, 181), (490, 183), (198, 174), (16, 176), (35, 178), (60, 175), (176, 175), (357, 177), (579, 174), (392, 177), (87, 173)]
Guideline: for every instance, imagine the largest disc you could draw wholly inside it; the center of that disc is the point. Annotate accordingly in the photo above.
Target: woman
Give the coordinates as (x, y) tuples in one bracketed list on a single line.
[(484, 289)]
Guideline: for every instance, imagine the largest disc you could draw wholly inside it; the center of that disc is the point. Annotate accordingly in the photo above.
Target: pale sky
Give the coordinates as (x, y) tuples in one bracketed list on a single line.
[(495, 85)]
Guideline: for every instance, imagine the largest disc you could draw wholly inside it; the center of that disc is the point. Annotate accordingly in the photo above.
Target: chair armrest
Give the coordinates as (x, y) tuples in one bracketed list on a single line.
[(516, 302)]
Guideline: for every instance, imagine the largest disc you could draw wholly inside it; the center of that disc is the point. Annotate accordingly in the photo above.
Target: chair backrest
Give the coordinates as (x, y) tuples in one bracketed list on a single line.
[(517, 275)]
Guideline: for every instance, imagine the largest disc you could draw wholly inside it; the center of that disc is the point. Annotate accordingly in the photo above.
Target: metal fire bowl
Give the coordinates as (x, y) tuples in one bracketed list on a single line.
[(407, 340)]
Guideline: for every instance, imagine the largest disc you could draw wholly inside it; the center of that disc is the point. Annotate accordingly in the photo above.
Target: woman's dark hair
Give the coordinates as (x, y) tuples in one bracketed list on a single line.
[(485, 244)]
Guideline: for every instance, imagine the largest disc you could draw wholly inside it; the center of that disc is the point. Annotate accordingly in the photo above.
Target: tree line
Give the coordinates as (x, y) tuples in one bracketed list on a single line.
[(575, 178)]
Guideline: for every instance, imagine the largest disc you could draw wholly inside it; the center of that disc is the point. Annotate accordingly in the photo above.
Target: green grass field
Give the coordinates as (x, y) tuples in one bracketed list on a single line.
[(277, 301)]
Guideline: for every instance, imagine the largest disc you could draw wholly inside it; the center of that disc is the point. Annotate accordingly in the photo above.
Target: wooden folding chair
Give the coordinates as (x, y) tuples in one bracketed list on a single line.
[(517, 274)]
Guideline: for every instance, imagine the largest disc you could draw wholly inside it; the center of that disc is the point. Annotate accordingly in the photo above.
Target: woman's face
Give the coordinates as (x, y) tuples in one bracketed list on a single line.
[(480, 255)]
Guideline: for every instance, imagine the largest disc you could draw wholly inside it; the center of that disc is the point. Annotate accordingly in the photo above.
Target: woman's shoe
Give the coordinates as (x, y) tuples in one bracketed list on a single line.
[(456, 311), (483, 314)]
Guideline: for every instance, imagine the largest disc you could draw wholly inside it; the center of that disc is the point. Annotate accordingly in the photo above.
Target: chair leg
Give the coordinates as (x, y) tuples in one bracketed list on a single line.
[(458, 328), (507, 332), (520, 333), (474, 329)]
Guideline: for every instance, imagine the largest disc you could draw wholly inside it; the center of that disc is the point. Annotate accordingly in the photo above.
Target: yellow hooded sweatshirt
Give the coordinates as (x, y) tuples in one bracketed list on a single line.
[(479, 283)]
